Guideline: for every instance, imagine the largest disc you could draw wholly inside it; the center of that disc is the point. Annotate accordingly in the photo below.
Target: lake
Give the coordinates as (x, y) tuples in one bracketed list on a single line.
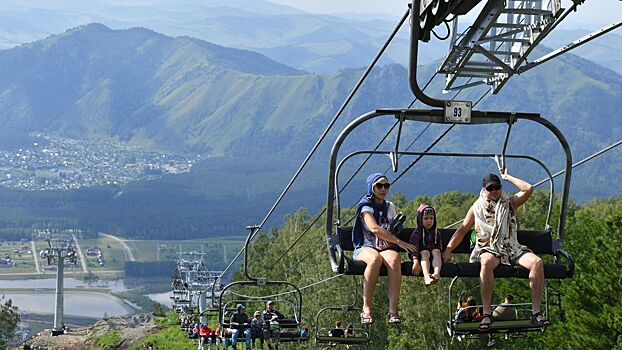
[(117, 285), (84, 304), (162, 298), (165, 298)]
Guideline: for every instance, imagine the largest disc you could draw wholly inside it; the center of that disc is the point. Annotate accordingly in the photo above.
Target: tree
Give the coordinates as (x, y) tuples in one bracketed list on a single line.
[(592, 300), (9, 320), (158, 310)]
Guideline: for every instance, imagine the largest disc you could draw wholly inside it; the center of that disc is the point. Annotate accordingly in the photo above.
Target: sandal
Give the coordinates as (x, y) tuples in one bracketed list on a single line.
[(434, 278), (394, 318), (542, 322), (429, 282), (483, 327), (366, 318)]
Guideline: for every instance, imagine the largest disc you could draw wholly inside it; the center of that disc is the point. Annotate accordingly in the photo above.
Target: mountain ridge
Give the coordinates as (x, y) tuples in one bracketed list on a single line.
[(252, 128)]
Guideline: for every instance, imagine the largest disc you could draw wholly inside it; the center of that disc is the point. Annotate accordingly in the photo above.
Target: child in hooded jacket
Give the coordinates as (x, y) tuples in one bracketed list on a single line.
[(428, 241)]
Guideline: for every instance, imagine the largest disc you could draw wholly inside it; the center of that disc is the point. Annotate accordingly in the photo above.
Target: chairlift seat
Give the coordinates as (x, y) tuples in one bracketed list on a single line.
[(322, 338), (540, 242), (291, 337), (513, 326)]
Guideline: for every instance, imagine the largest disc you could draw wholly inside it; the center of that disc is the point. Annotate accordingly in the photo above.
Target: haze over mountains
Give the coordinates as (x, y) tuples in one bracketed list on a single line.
[(254, 119), (310, 42)]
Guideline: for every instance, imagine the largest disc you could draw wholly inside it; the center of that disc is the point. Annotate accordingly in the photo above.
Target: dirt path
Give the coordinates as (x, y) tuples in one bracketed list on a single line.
[(82, 258), (35, 256), (128, 252)]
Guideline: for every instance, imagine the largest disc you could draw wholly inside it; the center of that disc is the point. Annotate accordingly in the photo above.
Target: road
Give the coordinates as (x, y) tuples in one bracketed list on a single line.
[(35, 256), (128, 252), (82, 258)]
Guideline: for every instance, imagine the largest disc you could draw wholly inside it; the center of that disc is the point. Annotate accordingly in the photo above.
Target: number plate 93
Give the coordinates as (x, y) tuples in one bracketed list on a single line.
[(458, 111)]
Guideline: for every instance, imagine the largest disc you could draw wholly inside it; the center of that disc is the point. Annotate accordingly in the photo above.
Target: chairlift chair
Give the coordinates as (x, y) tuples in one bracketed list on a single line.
[(447, 112), (323, 336), (291, 327), (512, 328)]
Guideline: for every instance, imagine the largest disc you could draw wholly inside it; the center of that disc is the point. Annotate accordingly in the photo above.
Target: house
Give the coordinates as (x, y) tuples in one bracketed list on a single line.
[(92, 251), (5, 262)]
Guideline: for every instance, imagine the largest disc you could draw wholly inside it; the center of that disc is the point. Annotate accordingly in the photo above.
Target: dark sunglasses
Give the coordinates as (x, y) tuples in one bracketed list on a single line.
[(386, 186), (493, 188)]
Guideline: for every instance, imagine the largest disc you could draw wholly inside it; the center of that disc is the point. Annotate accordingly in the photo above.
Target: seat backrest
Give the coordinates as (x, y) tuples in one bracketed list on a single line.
[(541, 242)]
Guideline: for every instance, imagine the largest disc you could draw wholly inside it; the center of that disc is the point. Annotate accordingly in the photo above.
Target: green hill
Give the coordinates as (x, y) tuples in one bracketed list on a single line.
[(253, 121)]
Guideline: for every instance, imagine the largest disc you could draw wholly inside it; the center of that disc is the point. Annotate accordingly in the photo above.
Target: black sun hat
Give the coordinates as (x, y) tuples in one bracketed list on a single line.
[(491, 179)]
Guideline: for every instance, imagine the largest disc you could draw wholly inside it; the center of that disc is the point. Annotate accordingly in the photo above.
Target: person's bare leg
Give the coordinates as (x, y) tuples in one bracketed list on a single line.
[(425, 267), (534, 264), (488, 264), (437, 262), (393, 263), (370, 276)]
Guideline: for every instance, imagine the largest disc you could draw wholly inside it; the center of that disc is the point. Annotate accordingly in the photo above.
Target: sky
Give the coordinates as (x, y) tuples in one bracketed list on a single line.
[(595, 13)]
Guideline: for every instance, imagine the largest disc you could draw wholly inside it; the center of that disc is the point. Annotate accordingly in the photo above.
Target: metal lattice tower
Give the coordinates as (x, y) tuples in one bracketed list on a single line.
[(498, 42), (58, 250), (192, 281)]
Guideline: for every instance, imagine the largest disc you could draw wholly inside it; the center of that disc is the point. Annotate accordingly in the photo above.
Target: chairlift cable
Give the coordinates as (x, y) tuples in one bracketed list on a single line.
[(394, 125), (324, 134), (321, 240), (324, 210), (606, 149), (287, 292), (356, 172)]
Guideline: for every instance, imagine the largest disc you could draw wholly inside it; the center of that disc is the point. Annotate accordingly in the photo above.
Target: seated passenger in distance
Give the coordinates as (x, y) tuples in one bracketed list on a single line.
[(505, 311)]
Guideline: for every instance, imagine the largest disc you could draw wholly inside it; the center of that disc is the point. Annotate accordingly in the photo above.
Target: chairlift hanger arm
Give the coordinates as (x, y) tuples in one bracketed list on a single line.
[(414, 49), (505, 144)]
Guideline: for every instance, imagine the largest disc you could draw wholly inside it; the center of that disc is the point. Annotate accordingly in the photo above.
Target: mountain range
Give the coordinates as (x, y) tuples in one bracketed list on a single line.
[(310, 42), (253, 119)]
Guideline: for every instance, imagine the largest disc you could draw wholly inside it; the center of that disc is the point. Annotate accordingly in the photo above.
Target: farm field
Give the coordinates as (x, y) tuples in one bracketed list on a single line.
[(217, 252), (20, 253), (111, 250), (213, 248)]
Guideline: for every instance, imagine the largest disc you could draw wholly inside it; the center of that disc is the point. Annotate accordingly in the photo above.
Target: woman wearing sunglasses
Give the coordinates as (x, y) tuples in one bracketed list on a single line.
[(373, 214), (496, 227)]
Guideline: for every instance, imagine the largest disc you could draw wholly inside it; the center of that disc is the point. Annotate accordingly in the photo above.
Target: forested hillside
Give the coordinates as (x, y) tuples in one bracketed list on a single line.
[(591, 301), (252, 120)]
